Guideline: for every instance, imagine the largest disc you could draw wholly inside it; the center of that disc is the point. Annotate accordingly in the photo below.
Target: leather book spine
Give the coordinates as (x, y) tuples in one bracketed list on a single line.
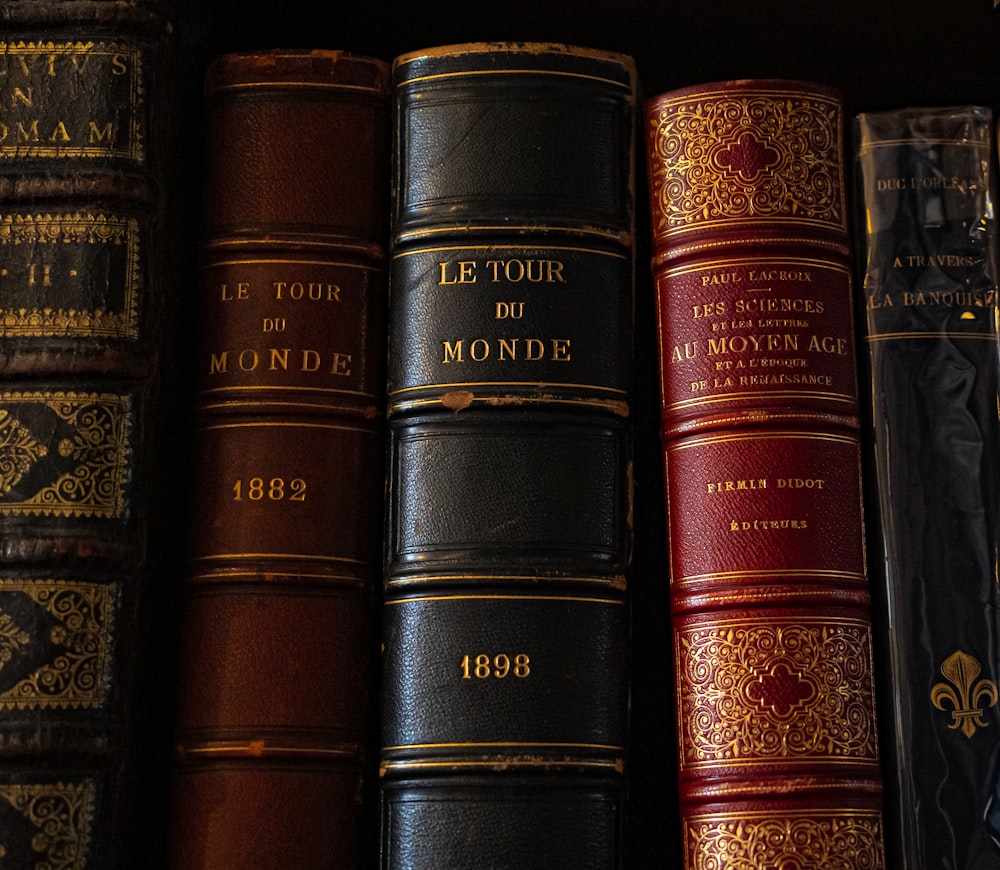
[(508, 541), (777, 739), (276, 670), (84, 286), (929, 303)]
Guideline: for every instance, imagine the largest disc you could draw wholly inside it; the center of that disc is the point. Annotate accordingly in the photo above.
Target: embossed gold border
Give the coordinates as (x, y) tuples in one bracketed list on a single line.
[(133, 148), (102, 444), (694, 193), (76, 228), (722, 726), (80, 674), (835, 839), (62, 813)]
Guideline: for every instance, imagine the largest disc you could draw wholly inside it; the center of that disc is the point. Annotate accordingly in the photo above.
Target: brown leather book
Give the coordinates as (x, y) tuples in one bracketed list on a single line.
[(84, 287), (777, 740), (276, 663)]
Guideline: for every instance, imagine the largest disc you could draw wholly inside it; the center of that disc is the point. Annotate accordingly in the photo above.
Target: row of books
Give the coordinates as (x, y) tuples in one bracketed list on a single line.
[(412, 430)]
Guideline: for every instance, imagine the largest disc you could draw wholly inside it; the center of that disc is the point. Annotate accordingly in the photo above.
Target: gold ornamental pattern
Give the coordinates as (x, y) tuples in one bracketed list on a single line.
[(77, 672), (93, 454), (63, 815), (781, 690), (19, 451), (849, 840), (27, 236), (765, 158)]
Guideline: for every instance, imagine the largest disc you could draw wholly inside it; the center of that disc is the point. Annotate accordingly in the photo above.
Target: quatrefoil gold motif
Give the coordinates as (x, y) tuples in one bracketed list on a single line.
[(748, 158), (781, 690)]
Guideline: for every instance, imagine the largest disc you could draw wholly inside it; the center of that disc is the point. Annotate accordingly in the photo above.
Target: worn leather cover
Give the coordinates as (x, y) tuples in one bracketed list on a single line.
[(777, 741), (504, 693), (82, 289), (276, 670), (930, 308)]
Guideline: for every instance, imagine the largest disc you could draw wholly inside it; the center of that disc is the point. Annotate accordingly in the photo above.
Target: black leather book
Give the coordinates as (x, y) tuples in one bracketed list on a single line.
[(930, 306), (504, 700)]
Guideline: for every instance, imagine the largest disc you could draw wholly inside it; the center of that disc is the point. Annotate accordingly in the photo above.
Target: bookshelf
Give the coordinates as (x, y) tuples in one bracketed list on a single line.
[(882, 53)]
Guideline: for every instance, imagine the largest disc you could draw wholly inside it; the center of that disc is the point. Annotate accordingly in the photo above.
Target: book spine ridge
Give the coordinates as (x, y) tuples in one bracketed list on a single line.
[(770, 602), (509, 372), (277, 655)]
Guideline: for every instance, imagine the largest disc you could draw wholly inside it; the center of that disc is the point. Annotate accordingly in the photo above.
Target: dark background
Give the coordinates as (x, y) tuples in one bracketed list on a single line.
[(883, 54)]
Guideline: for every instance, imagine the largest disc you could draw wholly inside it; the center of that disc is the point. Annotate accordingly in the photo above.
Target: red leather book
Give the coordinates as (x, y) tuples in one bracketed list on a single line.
[(85, 247), (275, 672), (777, 743)]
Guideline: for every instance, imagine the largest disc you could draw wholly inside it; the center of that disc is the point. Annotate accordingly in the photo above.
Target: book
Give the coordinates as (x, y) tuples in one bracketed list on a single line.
[(85, 290), (275, 700), (508, 539), (778, 756), (929, 309)]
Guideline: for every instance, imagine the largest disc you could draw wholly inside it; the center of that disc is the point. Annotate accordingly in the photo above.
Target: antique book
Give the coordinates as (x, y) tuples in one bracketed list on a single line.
[(277, 674), (777, 740), (505, 622), (84, 289), (929, 299)]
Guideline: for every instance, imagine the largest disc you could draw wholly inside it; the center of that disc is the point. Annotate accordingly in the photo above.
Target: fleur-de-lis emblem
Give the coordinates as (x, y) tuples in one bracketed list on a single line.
[(967, 696)]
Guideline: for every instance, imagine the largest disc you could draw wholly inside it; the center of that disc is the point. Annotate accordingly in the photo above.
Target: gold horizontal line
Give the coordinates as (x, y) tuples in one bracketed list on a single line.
[(283, 261), (396, 407), (867, 145), (253, 749), (504, 763), (273, 406), (764, 394), (503, 578), (542, 385), (721, 765), (17, 47), (520, 247), (702, 266), (896, 336), (734, 222), (789, 572), (789, 619), (780, 92), (579, 599), (277, 83), (761, 435), (267, 577), (263, 388), (824, 812), (504, 744), (625, 86), (274, 425), (229, 557)]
